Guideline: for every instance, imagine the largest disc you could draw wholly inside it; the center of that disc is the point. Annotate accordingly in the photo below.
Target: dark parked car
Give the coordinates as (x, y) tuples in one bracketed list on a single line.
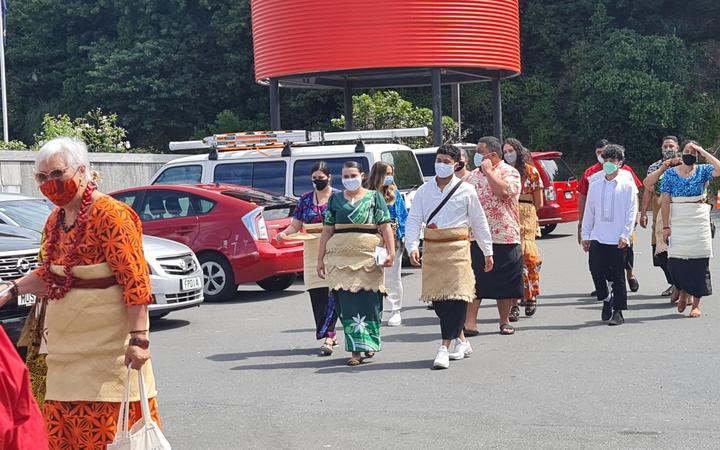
[(18, 255)]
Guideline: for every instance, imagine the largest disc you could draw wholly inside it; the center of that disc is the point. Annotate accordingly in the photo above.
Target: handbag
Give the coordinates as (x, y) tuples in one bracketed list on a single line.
[(145, 434)]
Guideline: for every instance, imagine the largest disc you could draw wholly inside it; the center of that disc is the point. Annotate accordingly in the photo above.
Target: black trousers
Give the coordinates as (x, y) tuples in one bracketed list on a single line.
[(661, 260), (630, 259), (607, 263), (452, 317), (325, 312)]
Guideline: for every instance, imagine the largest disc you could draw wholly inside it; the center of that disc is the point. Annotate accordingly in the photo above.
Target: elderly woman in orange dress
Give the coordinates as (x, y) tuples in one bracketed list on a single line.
[(94, 288), (531, 199)]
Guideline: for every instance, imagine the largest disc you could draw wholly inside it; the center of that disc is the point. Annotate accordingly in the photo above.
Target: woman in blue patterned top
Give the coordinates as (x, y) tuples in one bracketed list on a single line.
[(309, 215), (685, 219), (382, 179)]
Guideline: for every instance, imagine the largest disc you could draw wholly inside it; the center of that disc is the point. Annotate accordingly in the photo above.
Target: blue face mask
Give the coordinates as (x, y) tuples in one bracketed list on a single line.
[(388, 180), (478, 159)]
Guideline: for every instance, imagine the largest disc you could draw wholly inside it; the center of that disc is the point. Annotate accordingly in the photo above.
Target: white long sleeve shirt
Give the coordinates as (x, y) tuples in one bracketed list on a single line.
[(610, 210), (463, 209)]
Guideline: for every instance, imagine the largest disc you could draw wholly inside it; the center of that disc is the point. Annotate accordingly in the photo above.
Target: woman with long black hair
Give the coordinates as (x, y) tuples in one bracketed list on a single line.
[(531, 199), (308, 215), (382, 179)]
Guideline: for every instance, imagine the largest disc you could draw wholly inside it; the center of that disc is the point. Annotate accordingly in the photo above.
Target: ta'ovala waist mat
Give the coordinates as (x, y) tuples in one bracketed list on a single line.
[(690, 235), (310, 257), (350, 261), (446, 267), (87, 337)]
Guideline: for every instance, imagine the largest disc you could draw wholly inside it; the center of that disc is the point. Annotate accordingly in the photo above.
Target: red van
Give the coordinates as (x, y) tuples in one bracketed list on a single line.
[(561, 196)]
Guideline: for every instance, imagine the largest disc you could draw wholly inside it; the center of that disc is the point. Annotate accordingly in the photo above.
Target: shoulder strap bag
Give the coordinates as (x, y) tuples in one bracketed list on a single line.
[(443, 202)]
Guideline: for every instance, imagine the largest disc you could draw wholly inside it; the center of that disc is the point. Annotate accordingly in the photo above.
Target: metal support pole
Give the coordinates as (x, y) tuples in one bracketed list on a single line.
[(455, 95), (6, 136), (497, 109), (437, 107), (274, 104), (348, 107)]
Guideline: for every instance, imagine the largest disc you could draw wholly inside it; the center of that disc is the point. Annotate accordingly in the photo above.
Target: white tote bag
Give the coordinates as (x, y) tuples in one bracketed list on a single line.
[(145, 434)]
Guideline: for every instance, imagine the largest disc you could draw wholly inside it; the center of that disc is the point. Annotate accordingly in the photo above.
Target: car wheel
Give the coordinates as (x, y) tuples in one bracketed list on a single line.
[(218, 278), (547, 229), (277, 282)]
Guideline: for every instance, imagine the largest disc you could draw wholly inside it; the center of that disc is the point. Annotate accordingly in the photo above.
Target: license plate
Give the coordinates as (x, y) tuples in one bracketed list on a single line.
[(26, 300), (568, 195), (188, 284)]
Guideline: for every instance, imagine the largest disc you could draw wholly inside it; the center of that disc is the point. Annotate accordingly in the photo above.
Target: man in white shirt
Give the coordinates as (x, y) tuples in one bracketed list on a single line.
[(448, 279), (610, 210)]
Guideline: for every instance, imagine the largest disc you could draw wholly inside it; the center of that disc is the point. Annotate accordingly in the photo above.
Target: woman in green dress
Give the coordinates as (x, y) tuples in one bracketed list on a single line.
[(356, 228)]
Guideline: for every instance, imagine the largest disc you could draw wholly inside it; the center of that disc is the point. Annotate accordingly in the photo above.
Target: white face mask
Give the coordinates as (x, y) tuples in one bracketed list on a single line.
[(600, 159), (510, 158), (444, 170), (352, 184)]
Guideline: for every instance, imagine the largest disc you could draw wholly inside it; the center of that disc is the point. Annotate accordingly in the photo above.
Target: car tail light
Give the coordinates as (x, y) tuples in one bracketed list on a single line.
[(255, 224), (550, 194)]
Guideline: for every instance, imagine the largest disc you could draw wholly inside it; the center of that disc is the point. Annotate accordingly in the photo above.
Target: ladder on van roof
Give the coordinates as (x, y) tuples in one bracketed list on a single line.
[(260, 140)]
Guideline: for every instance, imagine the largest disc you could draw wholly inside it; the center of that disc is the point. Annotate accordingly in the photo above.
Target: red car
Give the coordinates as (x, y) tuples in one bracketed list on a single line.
[(561, 197), (230, 228)]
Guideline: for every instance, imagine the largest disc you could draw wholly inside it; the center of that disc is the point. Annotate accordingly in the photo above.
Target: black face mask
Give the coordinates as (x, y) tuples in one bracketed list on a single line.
[(689, 159), (459, 166), (321, 184)]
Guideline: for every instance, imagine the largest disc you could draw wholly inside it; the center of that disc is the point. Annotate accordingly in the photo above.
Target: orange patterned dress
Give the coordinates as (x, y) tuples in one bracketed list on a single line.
[(528, 231), (113, 236)]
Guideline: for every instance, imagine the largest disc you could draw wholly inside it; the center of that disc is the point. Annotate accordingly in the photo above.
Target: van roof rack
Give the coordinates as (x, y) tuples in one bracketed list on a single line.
[(260, 140)]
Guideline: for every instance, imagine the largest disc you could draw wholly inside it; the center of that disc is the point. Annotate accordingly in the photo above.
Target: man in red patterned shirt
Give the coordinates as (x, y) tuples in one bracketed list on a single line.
[(498, 187), (583, 186)]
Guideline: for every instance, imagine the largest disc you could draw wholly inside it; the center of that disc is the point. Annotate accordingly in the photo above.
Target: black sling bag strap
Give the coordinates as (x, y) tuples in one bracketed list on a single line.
[(442, 203)]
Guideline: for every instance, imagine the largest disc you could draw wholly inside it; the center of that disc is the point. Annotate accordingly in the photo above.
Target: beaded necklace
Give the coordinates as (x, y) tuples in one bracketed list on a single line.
[(55, 291)]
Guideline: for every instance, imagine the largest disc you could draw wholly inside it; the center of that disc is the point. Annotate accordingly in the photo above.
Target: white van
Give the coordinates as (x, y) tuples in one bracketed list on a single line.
[(426, 158), (287, 170)]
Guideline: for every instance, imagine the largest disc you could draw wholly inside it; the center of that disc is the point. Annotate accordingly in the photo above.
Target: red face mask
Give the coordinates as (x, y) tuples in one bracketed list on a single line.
[(60, 192)]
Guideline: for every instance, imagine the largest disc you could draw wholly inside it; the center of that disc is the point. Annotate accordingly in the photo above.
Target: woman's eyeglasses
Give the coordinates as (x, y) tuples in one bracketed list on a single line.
[(56, 174)]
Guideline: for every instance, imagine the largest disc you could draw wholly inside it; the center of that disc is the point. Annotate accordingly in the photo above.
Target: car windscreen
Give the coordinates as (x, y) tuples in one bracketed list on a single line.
[(427, 163), (274, 206), (556, 169), (180, 175), (30, 213), (269, 175), (407, 174), (302, 182)]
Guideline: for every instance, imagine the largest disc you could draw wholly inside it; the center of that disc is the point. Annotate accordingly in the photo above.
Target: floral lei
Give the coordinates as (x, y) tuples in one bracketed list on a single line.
[(55, 291)]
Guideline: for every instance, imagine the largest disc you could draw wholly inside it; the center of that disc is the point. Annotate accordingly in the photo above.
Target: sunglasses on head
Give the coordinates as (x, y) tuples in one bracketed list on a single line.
[(56, 174)]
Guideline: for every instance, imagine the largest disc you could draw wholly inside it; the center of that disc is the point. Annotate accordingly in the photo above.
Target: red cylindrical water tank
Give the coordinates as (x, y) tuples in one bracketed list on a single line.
[(309, 37)]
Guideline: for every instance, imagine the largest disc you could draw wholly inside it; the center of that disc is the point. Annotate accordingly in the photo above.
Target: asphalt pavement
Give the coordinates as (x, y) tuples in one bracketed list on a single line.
[(245, 373)]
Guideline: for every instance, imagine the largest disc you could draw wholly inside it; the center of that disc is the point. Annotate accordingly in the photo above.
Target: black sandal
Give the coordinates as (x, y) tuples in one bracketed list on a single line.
[(470, 333), (530, 308), (506, 329), (514, 314), (369, 354)]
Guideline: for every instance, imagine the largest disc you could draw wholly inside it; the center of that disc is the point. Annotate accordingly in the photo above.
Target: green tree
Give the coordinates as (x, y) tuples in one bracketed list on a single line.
[(387, 109)]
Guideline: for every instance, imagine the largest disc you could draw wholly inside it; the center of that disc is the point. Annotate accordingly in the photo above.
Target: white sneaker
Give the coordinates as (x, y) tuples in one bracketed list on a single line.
[(442, 359), (395, 320), (461, 350)]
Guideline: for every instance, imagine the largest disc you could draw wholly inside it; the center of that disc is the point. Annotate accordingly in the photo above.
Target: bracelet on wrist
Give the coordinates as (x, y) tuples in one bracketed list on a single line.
[(666, 228), (138, 342)]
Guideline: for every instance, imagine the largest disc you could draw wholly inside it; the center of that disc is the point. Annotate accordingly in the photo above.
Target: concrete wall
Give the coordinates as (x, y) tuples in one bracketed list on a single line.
[(117, 170)]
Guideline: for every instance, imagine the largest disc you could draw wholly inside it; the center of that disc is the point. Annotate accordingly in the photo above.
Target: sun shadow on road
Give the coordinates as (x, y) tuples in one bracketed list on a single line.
[(224, 357), (167, 324), (315, 363), (375, 365), (338, 365)]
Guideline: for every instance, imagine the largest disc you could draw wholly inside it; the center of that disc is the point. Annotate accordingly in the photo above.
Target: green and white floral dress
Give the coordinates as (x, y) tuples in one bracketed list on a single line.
[(357, 282)]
